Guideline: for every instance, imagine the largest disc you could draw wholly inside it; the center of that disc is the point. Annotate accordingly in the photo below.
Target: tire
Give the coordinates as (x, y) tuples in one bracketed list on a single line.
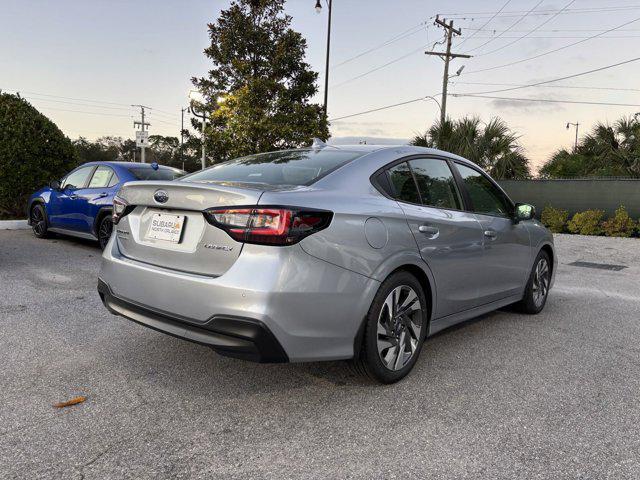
[(391, 344), (537, 290), (39, 221), (104, 231)]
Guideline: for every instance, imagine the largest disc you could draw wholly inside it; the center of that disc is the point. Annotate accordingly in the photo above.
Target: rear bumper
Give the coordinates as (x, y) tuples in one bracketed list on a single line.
[(312, 308), (243, 338)]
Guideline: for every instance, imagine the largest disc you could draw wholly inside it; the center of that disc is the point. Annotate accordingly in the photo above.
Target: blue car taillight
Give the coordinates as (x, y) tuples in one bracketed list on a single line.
[(120, 209), (268, 225)]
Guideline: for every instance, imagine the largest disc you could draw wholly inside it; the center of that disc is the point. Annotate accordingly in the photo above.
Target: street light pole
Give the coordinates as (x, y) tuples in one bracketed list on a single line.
[(326, 69), (575, 145)]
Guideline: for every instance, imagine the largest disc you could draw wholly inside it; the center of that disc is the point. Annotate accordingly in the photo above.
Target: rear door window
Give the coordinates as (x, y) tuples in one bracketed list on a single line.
[(436, 183), (101, 177)]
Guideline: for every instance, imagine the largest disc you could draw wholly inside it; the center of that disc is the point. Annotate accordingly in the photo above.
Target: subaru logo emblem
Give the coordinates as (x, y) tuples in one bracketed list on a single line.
[(161, 196)]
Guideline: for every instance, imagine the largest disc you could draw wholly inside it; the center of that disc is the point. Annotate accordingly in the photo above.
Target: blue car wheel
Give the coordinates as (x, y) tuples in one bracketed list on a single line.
[(38, 219)]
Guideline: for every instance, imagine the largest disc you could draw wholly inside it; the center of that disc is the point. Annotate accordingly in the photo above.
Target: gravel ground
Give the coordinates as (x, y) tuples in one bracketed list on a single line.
[(504, 396)]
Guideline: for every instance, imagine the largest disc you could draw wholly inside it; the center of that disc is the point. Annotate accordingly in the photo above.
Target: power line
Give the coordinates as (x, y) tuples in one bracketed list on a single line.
[(606, 67), (411, 31), (552, 51), (508, 28), (579, 87), (530, 32), (487, 23), (548, 100), (377, 109), (412, 52), (478, 15), (84, 111)]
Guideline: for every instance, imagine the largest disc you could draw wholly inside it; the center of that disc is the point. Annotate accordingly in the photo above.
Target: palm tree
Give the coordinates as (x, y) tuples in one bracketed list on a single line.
[(492, 146), (608, 150)]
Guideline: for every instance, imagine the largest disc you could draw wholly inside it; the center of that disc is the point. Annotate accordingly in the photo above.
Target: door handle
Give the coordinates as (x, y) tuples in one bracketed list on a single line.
[(492, 234), (101, 195), (429, 230), (73, 196)]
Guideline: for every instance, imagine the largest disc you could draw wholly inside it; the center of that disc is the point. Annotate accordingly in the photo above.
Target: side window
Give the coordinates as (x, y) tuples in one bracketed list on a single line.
[(486, 198), (101, 177), (436, 183), (404, 187), (78, 178)]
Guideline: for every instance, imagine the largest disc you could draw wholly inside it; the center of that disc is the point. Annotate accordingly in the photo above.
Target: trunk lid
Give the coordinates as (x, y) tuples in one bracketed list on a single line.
[(201, 247)]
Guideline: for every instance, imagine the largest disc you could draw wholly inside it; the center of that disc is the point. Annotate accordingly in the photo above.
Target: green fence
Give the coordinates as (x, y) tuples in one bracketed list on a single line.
[(577, 195)]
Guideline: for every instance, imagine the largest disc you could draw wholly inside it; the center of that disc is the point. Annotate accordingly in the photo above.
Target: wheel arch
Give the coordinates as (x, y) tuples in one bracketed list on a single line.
[(103, 212), (32, 203), (421, 271)]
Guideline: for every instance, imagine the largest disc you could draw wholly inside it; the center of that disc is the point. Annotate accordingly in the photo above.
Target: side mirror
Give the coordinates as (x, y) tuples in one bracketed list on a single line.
[(524, 211), (54, 184)]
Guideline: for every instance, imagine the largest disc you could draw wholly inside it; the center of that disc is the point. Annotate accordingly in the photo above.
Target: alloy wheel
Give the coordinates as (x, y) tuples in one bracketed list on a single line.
[(104, 233), (38, 222), (541, 279), (399, 327)]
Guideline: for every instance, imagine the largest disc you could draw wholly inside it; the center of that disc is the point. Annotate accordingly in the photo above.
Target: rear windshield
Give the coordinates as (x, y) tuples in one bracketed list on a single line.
[(148, 173), (292, 167)]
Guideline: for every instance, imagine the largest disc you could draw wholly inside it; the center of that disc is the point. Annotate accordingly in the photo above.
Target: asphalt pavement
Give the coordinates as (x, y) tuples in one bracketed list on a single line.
[(509, 396)]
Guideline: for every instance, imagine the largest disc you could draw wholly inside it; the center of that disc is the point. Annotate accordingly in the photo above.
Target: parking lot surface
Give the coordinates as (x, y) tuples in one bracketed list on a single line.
[(505, 396)]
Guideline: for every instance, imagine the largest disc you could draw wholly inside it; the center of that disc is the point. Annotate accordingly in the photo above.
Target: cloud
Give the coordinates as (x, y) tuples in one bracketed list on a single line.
[(526, 106)]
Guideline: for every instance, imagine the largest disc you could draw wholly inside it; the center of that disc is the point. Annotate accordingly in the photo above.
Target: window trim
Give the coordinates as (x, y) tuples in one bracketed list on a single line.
[(466, 204), (113, 172), (459, 178)]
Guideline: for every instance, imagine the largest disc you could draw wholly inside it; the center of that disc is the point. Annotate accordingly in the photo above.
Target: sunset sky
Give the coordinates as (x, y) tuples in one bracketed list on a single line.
[(83, 63)]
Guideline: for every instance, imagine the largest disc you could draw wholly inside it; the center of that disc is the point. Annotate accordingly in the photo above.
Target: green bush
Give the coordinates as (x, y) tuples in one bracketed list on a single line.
[(587, 222), (554, 219), (620, 225), (33, 151)]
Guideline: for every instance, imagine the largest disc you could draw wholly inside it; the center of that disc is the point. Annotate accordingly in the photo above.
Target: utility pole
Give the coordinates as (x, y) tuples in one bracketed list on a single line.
[(447, 56), (143, 139), (182, 110), (575, 145), (318, 8)]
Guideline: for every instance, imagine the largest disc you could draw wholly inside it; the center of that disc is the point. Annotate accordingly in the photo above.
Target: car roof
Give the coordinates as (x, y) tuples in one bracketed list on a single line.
[(125, 164), (402, 150)]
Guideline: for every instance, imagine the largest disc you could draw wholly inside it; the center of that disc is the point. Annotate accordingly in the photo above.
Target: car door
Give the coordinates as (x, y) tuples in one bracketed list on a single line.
[(449, 239), (95, 195), (506, 244), (65, 210)]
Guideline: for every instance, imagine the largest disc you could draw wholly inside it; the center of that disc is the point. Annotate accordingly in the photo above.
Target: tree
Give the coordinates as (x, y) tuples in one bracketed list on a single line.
[(604, 152), (492, 146), (33, 151), (163, 150), (260, 72)]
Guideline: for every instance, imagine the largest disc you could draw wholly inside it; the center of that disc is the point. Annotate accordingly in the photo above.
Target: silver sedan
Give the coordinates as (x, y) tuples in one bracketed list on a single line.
[(326, 253)]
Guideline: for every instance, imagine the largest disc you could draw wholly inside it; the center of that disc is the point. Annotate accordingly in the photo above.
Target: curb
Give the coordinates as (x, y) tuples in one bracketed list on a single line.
[(13, 225)]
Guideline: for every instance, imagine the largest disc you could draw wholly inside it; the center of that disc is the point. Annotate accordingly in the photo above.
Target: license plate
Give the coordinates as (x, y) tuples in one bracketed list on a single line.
[(166, 227)]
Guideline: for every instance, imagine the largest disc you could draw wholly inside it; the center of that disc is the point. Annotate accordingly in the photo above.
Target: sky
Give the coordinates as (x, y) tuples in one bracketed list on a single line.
[(83, 63)]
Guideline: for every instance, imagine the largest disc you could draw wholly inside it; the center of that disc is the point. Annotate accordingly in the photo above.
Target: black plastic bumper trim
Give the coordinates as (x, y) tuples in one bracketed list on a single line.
[(237, 337)]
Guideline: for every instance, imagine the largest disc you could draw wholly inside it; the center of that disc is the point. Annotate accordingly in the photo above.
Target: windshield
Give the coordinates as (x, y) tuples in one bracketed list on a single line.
[(292, 167), (148, 173)]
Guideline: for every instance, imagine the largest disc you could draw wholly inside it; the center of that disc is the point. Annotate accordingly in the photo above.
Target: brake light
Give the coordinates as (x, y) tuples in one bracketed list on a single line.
[(268, 225)]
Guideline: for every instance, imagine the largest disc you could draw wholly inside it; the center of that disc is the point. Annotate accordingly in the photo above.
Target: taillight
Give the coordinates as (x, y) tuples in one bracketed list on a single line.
[(268, 225), (120, 209)]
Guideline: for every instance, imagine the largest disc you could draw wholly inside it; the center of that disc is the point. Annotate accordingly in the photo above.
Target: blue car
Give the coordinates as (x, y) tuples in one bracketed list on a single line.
[(81, 203)]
